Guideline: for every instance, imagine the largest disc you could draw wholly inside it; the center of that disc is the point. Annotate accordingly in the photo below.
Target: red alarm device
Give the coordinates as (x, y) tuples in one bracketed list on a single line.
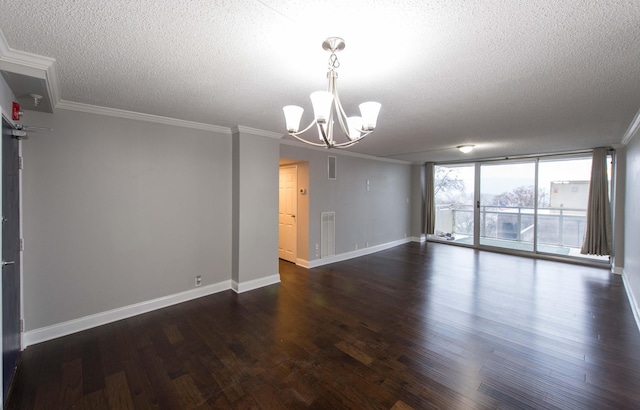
[(15, 111)]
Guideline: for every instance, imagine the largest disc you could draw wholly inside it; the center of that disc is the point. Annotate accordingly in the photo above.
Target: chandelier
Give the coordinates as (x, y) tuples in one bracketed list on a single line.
[(354, 128)]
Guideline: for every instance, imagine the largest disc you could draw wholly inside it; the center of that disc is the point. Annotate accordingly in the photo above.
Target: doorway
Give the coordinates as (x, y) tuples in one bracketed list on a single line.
[(287, 212), (301, 205)]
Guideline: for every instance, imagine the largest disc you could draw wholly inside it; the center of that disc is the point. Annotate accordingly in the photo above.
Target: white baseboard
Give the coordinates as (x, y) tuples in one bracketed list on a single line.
[(635, 308), (355, 254), (255, 284), (77, 325), (421, 238), (302, 262), (617, 270)]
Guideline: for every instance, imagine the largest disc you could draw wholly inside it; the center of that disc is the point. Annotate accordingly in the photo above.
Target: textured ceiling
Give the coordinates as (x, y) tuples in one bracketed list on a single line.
[(512, 77)]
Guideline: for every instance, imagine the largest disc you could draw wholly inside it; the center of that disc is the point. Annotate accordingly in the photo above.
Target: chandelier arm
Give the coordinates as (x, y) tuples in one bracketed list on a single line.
[(308, 142), (293, 134), (352, 142), (328, 141), (342, 116), (345, 144)]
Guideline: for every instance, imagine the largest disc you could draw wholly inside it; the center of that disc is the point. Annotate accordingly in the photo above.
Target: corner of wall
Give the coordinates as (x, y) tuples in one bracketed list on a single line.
[(633, 301), (241, 287), (6, 97)]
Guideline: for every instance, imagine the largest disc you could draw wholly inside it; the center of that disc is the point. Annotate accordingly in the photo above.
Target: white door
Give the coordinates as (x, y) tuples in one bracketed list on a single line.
[(287, 213)]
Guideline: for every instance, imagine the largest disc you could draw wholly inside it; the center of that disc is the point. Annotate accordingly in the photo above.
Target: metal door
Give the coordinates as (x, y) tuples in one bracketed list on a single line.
[(10, 255)]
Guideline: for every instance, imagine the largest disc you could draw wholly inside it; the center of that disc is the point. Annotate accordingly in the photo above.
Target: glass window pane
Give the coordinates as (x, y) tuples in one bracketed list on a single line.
[(507, 199), (454, 189), (562, 205)]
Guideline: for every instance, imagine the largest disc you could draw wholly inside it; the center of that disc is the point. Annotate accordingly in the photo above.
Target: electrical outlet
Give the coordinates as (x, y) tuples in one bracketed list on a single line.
[(317, 250), (198, 280), (356, 246), (366, 244)]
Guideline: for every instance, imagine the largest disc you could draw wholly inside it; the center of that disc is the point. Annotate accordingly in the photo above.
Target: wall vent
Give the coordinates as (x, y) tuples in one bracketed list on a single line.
[(328, 234), (331, 167)]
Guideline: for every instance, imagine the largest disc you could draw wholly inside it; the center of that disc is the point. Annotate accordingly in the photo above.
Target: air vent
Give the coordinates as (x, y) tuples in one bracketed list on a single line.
[(331, 167), (328, 234)]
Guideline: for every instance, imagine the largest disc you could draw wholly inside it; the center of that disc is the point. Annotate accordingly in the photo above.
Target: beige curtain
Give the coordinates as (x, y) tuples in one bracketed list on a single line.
[(429, 199), (597, 239)]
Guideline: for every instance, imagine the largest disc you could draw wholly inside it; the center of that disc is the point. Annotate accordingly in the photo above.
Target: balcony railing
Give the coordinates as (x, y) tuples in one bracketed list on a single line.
[(556, 226)]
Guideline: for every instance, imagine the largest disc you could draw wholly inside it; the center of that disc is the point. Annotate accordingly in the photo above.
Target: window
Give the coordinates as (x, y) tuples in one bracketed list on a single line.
[(454, 193), (534, 205)]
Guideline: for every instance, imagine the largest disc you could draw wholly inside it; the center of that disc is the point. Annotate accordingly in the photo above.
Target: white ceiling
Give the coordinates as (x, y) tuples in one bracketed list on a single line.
[(511, 77)]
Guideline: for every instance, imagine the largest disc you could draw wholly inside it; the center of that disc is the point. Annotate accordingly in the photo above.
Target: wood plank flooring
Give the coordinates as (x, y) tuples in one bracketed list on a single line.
[(418, 326)]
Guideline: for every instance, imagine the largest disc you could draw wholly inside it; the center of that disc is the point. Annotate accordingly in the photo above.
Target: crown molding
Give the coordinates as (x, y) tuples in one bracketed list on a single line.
[(131, 115), (32, 65), (23, 58), (42, 67), (633, 129), (255, 131), (343, 152)]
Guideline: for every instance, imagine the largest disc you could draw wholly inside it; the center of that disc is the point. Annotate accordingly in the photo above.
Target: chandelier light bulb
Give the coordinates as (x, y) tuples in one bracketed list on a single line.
[(321, 101), (369, 111), (355, 127), (292, 116)]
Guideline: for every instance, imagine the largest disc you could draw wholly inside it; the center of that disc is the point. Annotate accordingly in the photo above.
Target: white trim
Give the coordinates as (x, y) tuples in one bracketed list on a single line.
[(421, 238), (343, 152), (616, 270), (635, 308), (633, 129), (355, 254), (22, 57), (255, 283), (255, 131), (77, 325), (114, 112), (32, 65), (302, 262)]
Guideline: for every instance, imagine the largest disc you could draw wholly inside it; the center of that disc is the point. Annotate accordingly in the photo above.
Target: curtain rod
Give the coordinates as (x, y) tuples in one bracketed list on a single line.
[(524, 156)]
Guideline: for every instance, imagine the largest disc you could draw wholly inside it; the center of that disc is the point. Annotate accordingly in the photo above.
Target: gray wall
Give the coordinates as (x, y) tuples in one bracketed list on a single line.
[(632, 221), (118, 212), (255, 206), (417, 200), (378, 216), (620, 181), (6, 97)]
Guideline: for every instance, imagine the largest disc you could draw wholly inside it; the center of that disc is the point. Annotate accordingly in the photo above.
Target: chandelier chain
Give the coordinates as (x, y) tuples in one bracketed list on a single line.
[(333, 61)]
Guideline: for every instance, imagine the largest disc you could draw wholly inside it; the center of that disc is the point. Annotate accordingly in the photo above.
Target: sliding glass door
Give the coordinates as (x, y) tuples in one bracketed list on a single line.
[(507, 204), (454, 199), (533, 205), (562, 208)]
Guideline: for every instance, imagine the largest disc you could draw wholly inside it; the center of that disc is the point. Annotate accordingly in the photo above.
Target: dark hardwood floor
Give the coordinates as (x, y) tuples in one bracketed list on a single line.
[(417, 326)]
